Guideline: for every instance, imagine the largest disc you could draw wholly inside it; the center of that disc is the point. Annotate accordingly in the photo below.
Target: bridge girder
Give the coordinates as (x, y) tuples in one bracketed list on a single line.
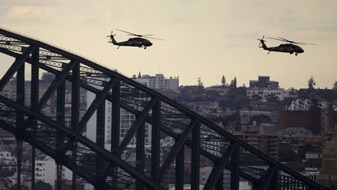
[(61, 131)]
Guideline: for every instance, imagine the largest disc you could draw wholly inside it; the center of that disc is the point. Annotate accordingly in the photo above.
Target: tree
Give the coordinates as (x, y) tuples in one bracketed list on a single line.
[(311, 89), (223, 80), (302, 150), (6, 173), (272, 98), (259, 119), (15, 187), (234, 82), (256, 97), (40, 185), (334, 86), (286, 154), (199, 82), (47, 77), (311, 83)]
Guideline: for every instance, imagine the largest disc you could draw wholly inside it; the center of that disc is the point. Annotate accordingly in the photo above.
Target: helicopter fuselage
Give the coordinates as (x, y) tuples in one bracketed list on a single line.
[(135, 42), (286, 48)]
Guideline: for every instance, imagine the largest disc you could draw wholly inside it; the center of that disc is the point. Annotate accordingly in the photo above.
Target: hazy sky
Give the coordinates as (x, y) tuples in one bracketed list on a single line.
[(203, 39)]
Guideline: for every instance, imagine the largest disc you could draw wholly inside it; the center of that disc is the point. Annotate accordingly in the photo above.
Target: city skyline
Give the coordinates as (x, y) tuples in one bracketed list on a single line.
[(227, 81), (205, 40)]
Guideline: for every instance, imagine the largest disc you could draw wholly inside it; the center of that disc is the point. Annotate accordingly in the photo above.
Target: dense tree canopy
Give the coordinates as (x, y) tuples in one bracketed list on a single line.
[(40, 185), (15, 187)]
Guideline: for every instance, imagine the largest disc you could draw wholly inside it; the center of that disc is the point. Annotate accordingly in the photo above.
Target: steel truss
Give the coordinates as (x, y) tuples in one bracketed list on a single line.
[(177, 133)]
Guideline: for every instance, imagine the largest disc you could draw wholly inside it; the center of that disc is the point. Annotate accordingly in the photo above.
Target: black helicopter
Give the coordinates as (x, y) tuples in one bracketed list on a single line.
[(138, 41), (289, 47)]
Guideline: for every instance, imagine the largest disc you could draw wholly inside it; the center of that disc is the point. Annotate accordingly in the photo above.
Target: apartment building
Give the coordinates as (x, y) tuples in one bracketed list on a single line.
[(264, 88), (262, 137), (158, 81)]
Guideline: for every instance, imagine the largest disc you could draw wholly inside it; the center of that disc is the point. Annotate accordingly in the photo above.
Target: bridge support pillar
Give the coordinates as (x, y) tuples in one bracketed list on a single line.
[(235, 161), (19, 161)]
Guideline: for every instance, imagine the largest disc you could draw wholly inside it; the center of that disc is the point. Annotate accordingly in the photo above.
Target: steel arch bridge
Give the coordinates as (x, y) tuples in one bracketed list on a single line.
[(164, 142)]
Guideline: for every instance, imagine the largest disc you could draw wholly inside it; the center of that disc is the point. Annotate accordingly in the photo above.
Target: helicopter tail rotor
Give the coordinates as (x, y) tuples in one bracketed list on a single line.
[(111, 35), (261, 41), (112, 39)]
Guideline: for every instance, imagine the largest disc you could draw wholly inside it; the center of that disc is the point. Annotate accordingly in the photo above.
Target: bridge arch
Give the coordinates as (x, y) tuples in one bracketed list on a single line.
[(149, 153)]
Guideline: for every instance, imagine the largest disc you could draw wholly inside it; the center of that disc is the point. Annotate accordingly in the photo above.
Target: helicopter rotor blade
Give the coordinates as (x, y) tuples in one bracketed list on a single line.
[(290, 41), (307, 43), (152, 38), (140, 35), (130, 33), (280, 39)]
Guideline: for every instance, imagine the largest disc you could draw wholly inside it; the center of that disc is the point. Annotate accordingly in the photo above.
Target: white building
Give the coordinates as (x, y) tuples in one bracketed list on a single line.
[(264, 93), (245, 185), (6, 158), (158, 82), (264, 88), (91, 128), (45, 170), (206, 171), (126, 120)]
